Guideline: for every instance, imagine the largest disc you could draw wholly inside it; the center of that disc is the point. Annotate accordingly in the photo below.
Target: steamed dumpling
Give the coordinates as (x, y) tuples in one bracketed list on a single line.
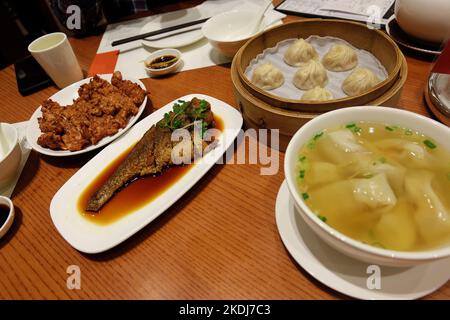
[(431, 216), (313, 74), (375, 192), (341, 147), (340, 58), (359, 81), (407, 151), (317, 94), (299, 53), (396, 229), (267, 76)]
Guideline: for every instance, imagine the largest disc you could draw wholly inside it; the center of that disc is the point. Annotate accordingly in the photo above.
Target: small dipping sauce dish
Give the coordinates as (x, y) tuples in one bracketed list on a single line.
[(163, 62)]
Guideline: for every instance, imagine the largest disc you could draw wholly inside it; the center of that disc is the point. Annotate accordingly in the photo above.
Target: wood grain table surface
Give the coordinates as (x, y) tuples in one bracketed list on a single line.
[(219, 241)]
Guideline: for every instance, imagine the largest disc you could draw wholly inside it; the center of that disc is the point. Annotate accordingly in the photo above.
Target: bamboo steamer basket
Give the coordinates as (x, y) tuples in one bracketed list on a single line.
[(357, 34), (258, 114)]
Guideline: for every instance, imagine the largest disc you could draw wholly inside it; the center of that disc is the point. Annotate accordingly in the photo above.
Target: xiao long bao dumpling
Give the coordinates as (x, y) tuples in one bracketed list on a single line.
[(299, 53), (359, 81), (340, 58), (311, 75), (267, 76), (317, 94)]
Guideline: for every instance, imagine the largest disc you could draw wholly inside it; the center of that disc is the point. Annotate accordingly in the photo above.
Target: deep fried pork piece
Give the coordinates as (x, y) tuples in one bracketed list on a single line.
[(101, 110), (128, 88)]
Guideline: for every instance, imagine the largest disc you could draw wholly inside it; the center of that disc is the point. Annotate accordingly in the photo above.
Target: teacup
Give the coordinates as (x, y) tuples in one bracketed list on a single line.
[(56, 57)]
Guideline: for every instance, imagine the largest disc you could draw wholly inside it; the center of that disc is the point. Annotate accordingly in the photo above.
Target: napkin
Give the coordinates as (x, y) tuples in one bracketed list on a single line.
[(104, 62)]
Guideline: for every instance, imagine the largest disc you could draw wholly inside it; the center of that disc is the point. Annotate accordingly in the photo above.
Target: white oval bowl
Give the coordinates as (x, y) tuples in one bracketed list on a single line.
[(9, 163), (163, 52), (221, 30), (435, 130)]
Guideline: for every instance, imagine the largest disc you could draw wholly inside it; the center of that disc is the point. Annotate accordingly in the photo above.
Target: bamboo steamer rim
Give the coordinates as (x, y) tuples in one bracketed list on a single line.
[(390, 77), (391, 92)]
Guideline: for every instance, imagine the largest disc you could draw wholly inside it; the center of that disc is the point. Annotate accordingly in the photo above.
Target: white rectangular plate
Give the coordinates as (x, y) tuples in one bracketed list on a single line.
[(89, 237)]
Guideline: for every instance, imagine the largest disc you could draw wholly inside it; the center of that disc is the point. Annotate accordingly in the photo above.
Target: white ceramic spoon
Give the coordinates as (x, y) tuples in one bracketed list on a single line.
[(253, 26), (256, 23)]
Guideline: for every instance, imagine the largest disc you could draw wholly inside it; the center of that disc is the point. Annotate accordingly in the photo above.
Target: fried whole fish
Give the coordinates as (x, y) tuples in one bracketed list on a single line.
[(153, 153)]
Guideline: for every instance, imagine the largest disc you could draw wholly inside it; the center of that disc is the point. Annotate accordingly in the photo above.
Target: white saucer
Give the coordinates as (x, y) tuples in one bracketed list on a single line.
[(345, 274)]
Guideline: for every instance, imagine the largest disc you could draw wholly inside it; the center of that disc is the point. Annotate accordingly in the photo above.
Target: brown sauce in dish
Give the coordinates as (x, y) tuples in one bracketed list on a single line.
[(136, 194), (4, 213), (162, 62)]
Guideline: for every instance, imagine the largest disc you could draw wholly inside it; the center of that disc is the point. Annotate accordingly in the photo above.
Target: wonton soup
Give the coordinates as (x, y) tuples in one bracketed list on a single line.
[(385, 186)]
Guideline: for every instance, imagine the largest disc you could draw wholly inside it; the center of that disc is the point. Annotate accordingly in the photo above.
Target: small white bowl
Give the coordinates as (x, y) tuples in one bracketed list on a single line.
[(9, 220), (159, 53), (437, 131), (10, 160), (226, 31)]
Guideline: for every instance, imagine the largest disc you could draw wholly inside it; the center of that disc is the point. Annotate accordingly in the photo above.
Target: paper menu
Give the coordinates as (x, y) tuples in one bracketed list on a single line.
[(359, 10)]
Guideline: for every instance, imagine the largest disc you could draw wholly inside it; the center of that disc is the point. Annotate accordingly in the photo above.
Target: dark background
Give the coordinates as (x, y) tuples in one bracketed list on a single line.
[(22, 21)]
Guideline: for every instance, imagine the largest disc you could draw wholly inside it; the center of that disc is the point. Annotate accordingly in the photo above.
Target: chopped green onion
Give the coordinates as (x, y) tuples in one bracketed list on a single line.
[(429, 144), (302, 158), (305, 196), (311, 143), (389, 128), (301, 174), (353, 127), (323, 218), (317, 135), (408, 132)]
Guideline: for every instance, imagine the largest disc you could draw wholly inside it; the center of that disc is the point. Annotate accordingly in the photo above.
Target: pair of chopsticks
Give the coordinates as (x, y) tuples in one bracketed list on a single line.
[(154, 33)]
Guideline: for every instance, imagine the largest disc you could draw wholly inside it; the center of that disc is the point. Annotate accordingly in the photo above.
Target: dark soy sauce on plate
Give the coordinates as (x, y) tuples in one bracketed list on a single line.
[(136, 194), (4, 213)]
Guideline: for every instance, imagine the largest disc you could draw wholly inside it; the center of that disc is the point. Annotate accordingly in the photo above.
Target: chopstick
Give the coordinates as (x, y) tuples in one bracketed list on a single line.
[(154, 33)]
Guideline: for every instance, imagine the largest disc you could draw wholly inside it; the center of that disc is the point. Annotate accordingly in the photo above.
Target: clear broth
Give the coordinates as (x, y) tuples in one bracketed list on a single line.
[(389, 190)]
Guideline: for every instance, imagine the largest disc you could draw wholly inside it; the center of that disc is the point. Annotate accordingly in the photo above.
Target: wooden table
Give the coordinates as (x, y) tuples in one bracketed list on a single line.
[(219, 241)]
